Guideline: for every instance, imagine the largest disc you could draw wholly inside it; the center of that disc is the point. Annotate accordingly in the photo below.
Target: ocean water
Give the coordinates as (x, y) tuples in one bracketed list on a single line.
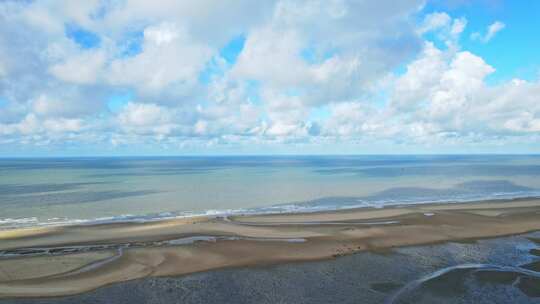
[(58, 191)]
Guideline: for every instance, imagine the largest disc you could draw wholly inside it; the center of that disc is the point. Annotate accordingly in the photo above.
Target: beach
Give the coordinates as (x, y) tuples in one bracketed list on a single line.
[(308, 151), (68, 260), (490, 271)]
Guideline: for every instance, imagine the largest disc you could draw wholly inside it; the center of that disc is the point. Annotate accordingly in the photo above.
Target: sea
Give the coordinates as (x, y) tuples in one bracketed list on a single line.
[(87, 190)]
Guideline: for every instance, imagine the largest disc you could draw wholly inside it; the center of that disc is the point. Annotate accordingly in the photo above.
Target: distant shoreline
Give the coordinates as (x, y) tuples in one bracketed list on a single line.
[(55, 261)]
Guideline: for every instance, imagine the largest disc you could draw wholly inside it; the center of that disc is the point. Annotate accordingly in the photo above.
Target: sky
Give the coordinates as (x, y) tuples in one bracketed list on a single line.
[(133, 77)]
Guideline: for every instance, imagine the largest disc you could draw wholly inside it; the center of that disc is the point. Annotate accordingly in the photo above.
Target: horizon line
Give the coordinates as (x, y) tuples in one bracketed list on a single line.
[(264, 155)]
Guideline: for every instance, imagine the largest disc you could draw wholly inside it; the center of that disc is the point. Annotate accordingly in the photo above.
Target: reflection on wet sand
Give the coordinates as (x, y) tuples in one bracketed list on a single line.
[(500, 270), (37, 257)]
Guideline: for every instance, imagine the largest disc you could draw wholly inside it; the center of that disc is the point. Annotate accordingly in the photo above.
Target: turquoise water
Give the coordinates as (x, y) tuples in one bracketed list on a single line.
[(74, 190)]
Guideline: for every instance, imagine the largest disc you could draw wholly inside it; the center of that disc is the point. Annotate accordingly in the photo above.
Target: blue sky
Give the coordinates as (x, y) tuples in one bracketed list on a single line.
[(283, 77), (514, 52)]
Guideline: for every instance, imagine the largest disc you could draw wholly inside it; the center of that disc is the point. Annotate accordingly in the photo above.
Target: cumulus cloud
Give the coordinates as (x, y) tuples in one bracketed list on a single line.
[(143, 115), (447, 29), (169, 60), (63, 67), (45, 106), (83, 68), (32, 125), (320, 48), (435, 21), (146, 119), (445, 93)]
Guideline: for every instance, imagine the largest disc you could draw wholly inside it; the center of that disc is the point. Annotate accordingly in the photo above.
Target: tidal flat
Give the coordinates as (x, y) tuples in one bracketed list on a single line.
[(484, 271), (45, 262)]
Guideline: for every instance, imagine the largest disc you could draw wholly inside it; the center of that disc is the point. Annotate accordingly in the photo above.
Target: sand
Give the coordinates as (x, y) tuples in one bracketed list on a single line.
[(69, 260), (456, 272)]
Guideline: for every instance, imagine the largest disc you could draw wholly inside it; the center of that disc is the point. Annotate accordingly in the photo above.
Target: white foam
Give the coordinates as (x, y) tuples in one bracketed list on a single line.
[(14, 223)]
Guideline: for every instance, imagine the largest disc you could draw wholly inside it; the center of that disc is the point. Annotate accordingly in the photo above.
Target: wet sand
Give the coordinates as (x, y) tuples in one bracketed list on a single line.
[(57, 261), (486, 271)]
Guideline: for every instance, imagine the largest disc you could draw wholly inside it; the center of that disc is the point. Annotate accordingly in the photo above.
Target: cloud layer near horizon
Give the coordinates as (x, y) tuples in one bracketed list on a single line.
[(189, 75)]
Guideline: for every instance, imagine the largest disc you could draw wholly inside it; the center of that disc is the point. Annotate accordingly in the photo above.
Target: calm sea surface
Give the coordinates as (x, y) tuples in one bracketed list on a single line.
[(74, 190)]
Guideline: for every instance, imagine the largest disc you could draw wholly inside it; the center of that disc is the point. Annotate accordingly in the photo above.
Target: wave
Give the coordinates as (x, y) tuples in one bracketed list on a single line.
[(324, 204)]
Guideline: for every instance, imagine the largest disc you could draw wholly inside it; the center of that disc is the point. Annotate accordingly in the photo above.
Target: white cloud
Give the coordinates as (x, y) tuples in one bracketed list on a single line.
[(338, 64), (348, 119), (63, 125), (415, 86), (445, 28), (148, 119), (286, 114), (170, 60), (273, 57), (46, 106), (84, 68), (298, 57), (206, 21), (458, 26), (143, 115), (42, 18), (31, 125), (447, 93), (435, 21), (163, 34), (492, 30)]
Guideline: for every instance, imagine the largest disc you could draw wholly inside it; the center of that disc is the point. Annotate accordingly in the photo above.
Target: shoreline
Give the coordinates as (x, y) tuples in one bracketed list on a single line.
[(117, 252), (150, 218), (174, 215)]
